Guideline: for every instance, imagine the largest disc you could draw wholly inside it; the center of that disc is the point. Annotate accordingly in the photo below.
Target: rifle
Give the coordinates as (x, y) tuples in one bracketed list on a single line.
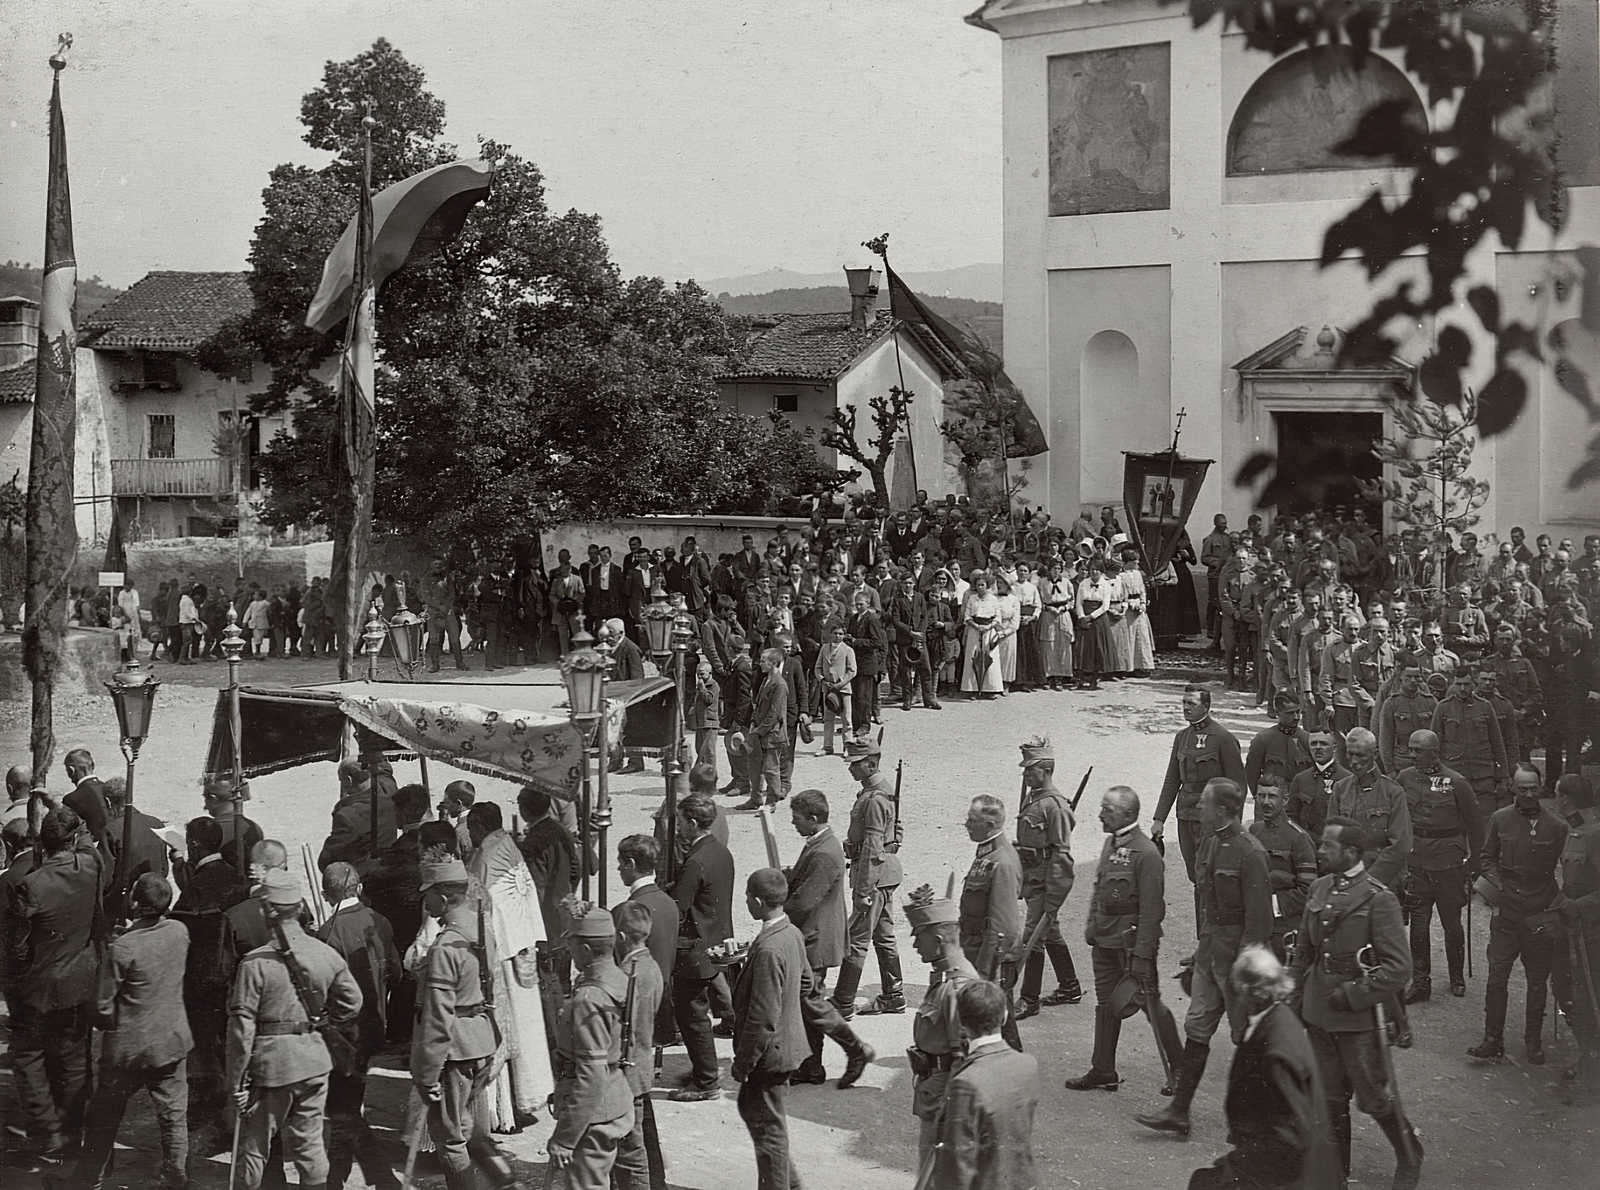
[(238, 1121), (340, 1048), (1078, 797), (1470, 892), (774, 860), (899, 775), (480, 949), (627, 1016), (652, 1138)]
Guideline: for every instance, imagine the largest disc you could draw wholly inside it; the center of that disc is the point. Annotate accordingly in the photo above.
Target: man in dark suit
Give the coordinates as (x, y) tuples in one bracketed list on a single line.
[(350, 838), (746, 565), (638, 856), (769, 733), (1277, 1112), (816, 906), (365, 942), (908, 614), (146, 1040), (88, 800), (769, 1032), (148, 852), (692, 577), (704, 893), (986, 1136), (54, 920), (218, 798), (212, 883), (865, 635), (602, 586)]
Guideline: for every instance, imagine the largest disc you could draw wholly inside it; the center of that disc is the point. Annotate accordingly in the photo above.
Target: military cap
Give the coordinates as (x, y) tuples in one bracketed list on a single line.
[(1036, 751), (1127, 997), (589, 921), (861, 749), (1285, 702), (278, 887), (923, 909), (450, 871)]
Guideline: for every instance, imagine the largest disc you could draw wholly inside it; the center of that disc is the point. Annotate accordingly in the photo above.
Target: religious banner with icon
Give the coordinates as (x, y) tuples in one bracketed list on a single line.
[(1158, 493)]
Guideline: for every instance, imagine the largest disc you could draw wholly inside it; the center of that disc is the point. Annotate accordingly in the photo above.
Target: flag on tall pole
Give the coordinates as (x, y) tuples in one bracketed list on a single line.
[(401, 224), (52, 531), (355, 441)]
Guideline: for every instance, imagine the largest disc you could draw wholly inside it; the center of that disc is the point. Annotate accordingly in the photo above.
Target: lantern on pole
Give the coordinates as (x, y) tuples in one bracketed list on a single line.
[(372, 639), (233, 650), (583, 671), (133, 693), (405, 638)]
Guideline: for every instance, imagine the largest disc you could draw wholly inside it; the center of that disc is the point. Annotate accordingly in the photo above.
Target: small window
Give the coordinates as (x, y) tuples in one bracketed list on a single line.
[(786, 402), (163, 436), (160, 371)]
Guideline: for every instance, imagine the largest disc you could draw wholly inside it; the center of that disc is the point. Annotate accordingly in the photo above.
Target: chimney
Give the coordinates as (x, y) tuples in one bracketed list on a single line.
[(863, 285), (19, 330)]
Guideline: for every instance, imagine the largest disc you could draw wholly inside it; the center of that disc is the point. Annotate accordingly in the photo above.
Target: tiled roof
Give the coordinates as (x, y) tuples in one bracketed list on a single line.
[(169, 311), (16, 383), (806, 347)]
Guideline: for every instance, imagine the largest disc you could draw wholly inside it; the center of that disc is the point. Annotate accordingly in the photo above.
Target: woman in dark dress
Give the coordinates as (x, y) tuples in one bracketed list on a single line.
[(1176, 610)]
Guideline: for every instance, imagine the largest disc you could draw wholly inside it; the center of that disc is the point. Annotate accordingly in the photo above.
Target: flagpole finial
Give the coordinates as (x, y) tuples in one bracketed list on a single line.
[(58, 60), (878, 246)]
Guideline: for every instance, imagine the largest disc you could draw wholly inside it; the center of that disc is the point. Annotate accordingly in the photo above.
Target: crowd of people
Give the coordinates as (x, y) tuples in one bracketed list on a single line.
[(184, 621)]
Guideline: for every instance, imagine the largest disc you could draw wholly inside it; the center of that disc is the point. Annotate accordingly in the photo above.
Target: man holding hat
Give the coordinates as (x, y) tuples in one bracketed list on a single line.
[(871, 846), (1126, 910), (936, 1029), (909, 614), (594, 1103), (274, 1046), (1044, 845), (453, 1045)]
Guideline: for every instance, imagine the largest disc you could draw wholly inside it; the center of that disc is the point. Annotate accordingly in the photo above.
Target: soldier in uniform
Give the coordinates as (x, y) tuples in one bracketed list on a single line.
[(1202, 750), (986, 1132), (871, 846), (1523, 848), (1406, 710), (277, 1061), (1233, 909), (1580, 914), (1044, 845), (1310, 791), (1376, 802), (936, 932), (1283, 749), (1291, 859), (1471, 742), (1505, 714), (1447, 834), (1126, 910), (1518, 682), (990, 921), (594, 1102), (646, 989), (453, 1045), (1347, 912)]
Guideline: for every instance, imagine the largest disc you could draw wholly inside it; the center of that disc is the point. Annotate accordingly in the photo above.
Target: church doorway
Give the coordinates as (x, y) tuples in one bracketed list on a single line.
[(1326, 455)]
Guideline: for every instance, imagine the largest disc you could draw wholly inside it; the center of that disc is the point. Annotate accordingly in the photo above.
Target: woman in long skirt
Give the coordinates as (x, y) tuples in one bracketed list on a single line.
[(945, 607), (1093, 605), (1055, 625), (1030, 660), (1117, 657), (1144, 641), (1006, 633), (980, 668)]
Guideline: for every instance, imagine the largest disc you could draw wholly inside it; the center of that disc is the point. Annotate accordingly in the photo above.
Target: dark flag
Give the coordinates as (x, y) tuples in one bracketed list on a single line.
[(402, 223), (116, 552), (966, 355), (1158, 494), (52, 530)]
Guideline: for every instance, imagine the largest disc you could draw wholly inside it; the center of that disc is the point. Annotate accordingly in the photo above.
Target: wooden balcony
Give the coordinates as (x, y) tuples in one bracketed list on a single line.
[(172, 477)]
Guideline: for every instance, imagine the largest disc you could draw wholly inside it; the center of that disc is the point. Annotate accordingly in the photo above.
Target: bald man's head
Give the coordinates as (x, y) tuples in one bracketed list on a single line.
[(269, 853), (19, 780), (1424, 745)]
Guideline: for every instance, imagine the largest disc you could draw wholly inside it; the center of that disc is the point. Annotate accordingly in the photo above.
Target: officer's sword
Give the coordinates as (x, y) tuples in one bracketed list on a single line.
[(1367, 960), (419, 1125)]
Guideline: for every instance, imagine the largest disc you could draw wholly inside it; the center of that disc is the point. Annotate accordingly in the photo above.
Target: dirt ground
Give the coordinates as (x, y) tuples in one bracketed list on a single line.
[(1483, 1125)]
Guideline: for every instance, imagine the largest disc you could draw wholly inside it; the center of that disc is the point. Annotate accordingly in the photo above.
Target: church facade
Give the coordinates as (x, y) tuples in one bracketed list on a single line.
[(1166, 194)]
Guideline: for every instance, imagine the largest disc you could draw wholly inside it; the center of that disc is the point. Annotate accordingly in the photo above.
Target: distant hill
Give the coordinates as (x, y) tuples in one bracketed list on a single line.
[(25, 280), (980, 282), (982, 317)]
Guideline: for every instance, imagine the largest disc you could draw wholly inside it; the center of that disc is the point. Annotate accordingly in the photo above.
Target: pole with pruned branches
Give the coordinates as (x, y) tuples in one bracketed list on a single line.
[(891, 415)]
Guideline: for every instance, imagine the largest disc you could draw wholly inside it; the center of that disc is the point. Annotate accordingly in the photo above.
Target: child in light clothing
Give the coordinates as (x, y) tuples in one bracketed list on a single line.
[(836, 669)]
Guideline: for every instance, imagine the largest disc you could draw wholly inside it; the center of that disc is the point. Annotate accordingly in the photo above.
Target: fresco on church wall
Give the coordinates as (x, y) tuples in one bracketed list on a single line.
[(1110, 130), (1295, 113)]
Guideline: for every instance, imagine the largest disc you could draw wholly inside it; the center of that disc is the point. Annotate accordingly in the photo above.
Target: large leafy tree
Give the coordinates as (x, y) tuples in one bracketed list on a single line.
[(521, 379)]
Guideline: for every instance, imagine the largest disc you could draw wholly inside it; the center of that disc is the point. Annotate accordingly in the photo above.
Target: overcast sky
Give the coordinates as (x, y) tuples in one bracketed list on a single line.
[(713, 137)]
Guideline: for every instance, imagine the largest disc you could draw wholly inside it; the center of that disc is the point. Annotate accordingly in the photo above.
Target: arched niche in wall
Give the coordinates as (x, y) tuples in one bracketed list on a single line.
[(1302, 107), (1108, 390)]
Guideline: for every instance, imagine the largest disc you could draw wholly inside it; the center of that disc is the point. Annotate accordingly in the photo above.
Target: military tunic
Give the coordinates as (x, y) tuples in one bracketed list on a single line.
[(1044, 845), (1291, 867), (1379, 805), (1447, 832), (632, 1167), (1233, 910), (990, 920), (1400, 715), (1286, 754), (1525, 854), (936, 1047), (1200, 752), (1470, 742), (594, 1103)]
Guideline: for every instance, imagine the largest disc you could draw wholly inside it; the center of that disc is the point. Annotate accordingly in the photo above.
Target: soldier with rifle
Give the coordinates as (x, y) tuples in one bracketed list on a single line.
[(871, 846), (1044, 845), (635, 1160), (594, 1101), (936, 932), (289, 996), (456, 1036)]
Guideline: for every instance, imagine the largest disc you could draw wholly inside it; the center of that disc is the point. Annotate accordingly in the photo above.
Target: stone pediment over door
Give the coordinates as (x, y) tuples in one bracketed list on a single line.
[(1299, 373)]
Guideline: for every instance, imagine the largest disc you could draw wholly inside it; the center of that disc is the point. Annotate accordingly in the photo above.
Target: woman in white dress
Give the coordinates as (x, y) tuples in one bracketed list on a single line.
[(1139, 630), (1006, 636), (980, 668), (1120, 659)]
